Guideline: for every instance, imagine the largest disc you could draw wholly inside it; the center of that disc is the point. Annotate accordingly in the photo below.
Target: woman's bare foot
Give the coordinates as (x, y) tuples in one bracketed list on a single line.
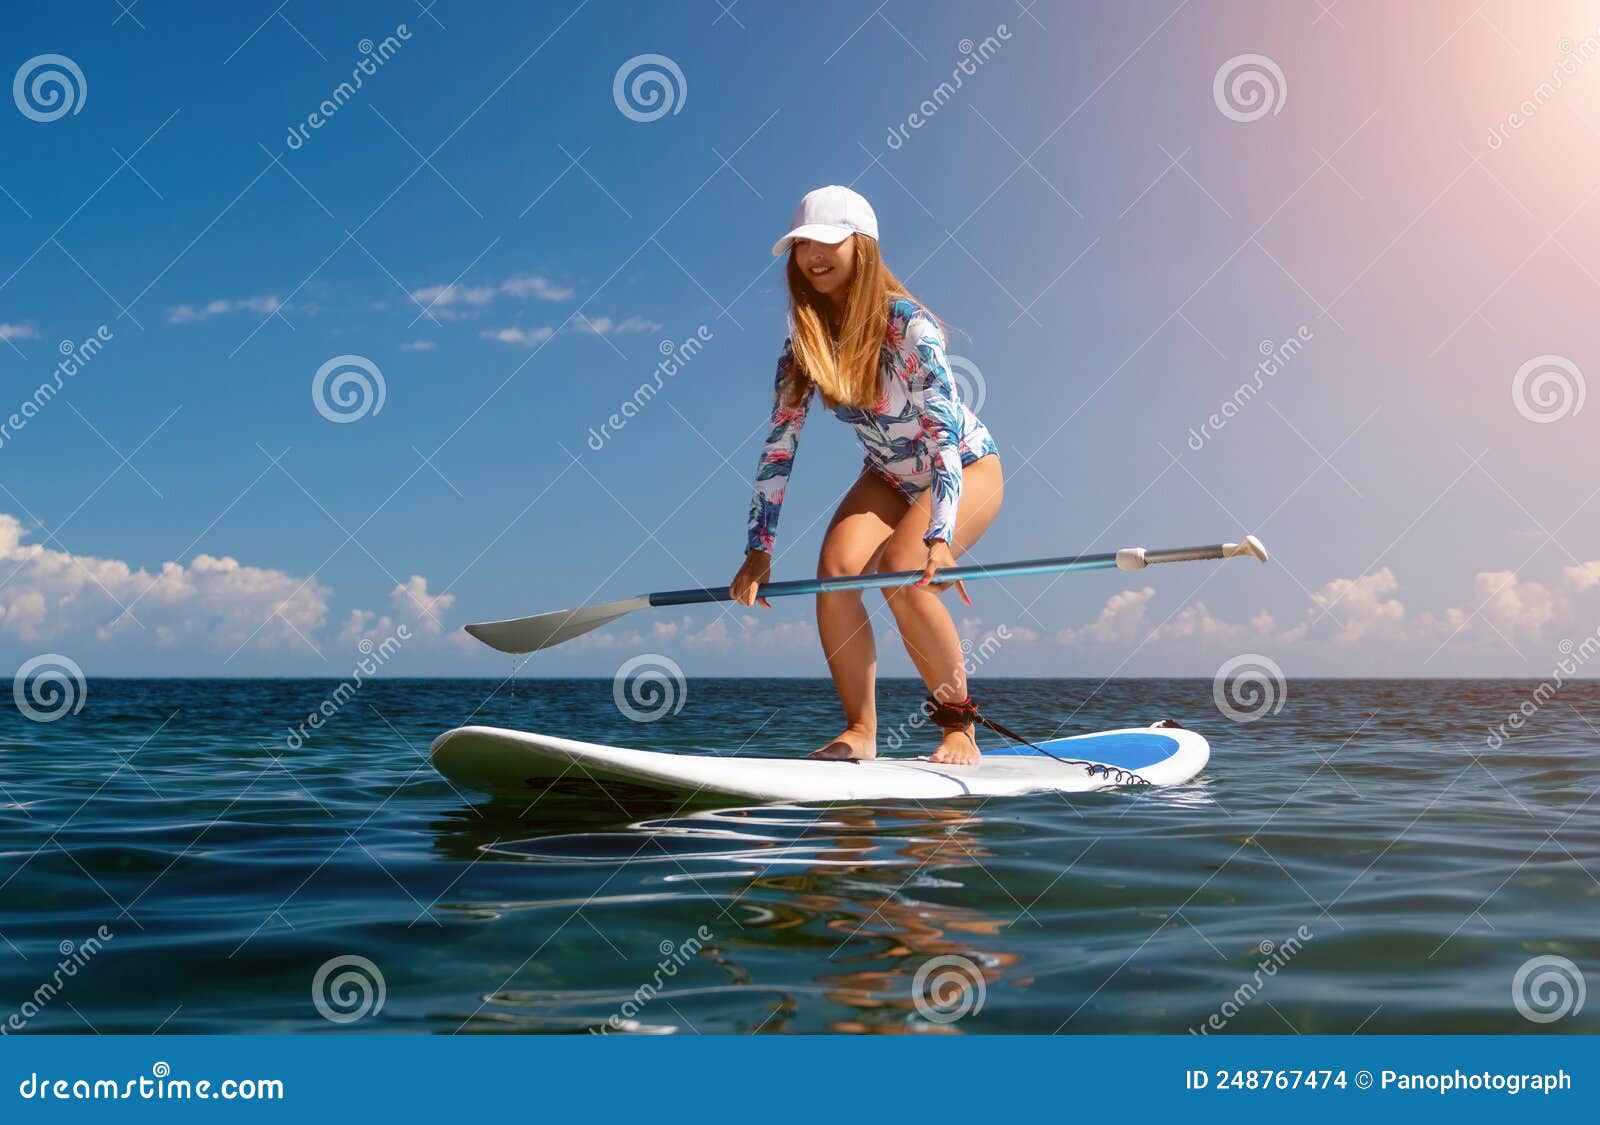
[(958, 748), (862, 746)]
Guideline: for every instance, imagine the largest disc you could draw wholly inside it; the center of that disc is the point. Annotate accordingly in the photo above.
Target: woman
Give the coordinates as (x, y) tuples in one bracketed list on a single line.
[(930, 484)]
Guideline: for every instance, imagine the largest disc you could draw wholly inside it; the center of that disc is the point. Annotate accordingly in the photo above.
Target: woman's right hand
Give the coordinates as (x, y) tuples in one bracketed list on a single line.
[(757, 569)]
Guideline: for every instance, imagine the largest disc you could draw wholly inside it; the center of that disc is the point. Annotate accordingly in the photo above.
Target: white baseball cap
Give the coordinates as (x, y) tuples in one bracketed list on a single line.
[(829, 214)]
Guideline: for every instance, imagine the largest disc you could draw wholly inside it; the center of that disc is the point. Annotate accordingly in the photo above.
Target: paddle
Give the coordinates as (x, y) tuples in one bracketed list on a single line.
[(542, 630)]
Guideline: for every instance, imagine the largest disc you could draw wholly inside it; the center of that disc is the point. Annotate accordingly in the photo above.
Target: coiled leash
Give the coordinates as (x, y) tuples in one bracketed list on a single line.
[(956, 716)]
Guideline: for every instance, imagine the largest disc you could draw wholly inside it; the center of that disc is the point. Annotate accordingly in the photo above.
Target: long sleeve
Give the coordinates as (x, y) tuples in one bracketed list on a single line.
[(777, 456), (932, 393)]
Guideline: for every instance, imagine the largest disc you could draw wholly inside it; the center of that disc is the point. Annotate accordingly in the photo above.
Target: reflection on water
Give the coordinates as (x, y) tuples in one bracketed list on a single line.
[(848, 878)]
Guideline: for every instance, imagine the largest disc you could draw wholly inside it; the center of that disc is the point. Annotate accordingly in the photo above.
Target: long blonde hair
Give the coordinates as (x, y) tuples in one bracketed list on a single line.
[(843, 368)]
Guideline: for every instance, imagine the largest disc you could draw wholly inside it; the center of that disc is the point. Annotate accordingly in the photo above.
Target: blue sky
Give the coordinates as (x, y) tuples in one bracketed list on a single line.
[(512, 250)]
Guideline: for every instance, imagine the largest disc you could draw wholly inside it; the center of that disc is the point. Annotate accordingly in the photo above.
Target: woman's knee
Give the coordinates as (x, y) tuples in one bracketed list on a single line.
[(901, 556), (846, 556), (834, 563), (895, 558)]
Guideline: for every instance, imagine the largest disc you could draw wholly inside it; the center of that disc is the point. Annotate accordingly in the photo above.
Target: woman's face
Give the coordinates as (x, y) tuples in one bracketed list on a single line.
[(826, 266)]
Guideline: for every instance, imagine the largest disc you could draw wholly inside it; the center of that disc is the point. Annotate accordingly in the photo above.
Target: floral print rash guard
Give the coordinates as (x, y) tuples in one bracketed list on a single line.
[(918, 435)]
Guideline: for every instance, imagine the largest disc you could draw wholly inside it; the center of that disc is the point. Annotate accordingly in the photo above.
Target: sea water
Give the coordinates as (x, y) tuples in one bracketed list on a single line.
[(1365, 858)]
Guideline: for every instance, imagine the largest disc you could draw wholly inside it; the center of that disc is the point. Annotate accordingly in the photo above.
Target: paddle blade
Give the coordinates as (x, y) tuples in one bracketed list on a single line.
[(1251, 547), (542, 630)]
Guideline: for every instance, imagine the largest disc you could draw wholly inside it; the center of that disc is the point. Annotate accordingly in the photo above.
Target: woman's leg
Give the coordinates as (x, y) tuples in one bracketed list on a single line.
[(864, 519), (926, 628)]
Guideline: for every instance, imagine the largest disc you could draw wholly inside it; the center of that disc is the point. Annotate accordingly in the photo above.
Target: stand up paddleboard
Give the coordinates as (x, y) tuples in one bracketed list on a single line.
[(494, 760)]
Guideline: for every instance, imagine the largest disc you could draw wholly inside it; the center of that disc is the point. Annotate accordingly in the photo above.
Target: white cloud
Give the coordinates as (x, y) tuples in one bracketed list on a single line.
[(521, 287), (411, 599), (1121, 620), (191, 314), (364, 623), (1504, 607), (421, 612), (606, 326), (1508, 608), (1361, 606), (1515, 607), (1125, 620), (18, 332), (1583, 577), (449, 296), (541, 288), (785, 636), (216, 604), (55, 597), (418, 346), (1443, 628), (748, 631), (1195, 623), (456, 301), (713, 635), (519, 335), (589, 326)]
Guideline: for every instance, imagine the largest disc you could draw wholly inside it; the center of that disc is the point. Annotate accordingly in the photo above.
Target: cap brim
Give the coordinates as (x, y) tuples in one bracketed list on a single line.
[(817, 232)]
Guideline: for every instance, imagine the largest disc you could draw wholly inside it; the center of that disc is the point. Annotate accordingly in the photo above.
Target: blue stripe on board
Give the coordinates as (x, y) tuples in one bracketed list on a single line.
[(1133, 751)]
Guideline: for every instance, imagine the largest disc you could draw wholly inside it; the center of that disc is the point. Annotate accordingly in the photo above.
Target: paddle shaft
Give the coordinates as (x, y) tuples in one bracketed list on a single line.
[(1105, 561), (529, 634)]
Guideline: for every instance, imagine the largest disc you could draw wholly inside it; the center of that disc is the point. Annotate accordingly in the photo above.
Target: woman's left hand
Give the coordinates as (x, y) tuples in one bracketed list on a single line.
[(941, 557)]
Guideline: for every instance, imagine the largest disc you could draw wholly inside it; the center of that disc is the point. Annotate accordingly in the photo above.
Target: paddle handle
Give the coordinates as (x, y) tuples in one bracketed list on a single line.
[(1129, 558)]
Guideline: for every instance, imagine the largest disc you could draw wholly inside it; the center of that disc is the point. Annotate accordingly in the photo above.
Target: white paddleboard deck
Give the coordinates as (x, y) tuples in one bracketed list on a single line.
[(495, 760)]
